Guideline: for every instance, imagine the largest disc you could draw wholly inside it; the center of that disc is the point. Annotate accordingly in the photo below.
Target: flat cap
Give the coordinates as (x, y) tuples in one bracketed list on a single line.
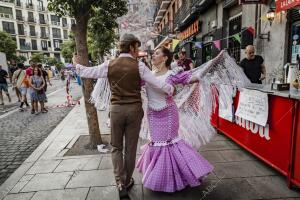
[(130, 38)]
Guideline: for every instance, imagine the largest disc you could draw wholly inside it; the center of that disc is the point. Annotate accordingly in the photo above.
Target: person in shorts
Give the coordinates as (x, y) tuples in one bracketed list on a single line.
[(3, 85)]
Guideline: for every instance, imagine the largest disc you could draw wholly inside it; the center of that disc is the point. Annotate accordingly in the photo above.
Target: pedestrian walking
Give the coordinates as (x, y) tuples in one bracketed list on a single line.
[(46, 78), (37, 83), (3, 85), (21, 83)]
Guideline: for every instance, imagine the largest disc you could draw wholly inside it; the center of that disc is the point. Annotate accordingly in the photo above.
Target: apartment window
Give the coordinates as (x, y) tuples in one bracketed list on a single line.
[(19, 15), (44, 45), (6, 12), (32, 30), (72, 21), (55, 20), (34, 45), (66, 34), (43, 32), (8, 27), (18, 2), (22, 43), (56, 33), (64, 22), (41, 5), (29, 2), (49, 44), (57, 56), (56, 44), (30, 17), (21, 29), (42, 18)]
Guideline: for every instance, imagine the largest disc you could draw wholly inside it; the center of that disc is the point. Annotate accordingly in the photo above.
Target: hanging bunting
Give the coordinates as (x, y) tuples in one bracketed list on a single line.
[(198, 45), (237, 37), (217, 44), (174, 43)]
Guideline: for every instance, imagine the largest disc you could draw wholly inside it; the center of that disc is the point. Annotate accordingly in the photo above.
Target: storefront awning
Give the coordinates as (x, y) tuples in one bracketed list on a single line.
[(283, 5), (165, 41)]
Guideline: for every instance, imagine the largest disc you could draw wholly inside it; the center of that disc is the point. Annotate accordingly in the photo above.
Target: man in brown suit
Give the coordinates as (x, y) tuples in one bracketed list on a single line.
[(125, 74)]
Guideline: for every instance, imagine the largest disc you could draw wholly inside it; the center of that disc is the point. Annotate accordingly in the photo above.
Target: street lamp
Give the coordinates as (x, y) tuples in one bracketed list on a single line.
[(271, 16)]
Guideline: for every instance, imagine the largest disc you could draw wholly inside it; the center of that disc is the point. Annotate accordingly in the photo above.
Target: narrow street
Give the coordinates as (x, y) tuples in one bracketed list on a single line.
[(21, 132)]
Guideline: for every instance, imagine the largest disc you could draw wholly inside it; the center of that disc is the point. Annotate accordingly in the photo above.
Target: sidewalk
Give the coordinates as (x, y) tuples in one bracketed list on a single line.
[(47, 175)]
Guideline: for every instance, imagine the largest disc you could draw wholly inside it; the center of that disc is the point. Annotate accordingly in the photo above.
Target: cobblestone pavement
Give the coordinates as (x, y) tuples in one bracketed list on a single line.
[(21, 133)]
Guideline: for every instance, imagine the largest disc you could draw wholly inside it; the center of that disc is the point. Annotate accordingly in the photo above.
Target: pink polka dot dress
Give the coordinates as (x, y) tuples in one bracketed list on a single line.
[(168, 163)]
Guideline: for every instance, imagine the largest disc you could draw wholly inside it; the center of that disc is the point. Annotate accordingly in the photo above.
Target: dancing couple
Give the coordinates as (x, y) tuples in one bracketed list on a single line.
[(142, 103)]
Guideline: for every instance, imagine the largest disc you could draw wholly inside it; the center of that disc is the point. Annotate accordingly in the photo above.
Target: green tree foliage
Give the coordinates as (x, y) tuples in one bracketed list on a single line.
[(68, 48), (7, 45), (21, 59), (38, 58)]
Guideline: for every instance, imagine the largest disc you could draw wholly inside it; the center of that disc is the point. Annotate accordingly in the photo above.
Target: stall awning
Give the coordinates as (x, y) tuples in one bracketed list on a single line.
[(163, 42), (283, 5)]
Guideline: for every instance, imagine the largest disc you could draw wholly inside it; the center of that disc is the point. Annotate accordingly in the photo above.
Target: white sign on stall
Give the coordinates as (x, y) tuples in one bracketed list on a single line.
[(253, 106)]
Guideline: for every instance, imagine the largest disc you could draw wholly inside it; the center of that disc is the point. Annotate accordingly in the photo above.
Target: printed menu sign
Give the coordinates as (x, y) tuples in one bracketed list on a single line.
[(253, 106)]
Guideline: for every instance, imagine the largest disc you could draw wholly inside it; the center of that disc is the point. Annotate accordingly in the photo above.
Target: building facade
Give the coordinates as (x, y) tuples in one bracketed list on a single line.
[(34, 27), (277, 39)]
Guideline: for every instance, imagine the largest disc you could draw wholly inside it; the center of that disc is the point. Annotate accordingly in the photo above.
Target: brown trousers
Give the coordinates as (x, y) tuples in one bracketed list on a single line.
[(125, 122)]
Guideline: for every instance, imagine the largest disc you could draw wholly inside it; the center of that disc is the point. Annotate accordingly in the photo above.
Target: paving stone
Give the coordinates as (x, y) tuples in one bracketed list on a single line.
[(45, 166), (103, 193), (49, 181), (218, 146), (21, 196), (26, 178), (67, 194), (272, 187), (212, 156), (78, 164), (92, 178), (18, 187), (236, 155), (240, 169), (106, 163)]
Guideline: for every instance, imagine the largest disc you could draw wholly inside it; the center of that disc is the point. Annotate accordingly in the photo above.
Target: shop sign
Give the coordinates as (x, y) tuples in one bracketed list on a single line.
[(191, 30), (253, 128), (253, 1), (282, 5)]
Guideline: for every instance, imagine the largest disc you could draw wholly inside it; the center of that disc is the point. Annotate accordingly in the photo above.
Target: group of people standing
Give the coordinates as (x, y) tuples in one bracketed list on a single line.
[(33, 82)]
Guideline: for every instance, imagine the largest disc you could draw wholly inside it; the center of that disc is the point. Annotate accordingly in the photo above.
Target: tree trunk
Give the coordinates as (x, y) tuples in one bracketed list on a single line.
[(80, 31)]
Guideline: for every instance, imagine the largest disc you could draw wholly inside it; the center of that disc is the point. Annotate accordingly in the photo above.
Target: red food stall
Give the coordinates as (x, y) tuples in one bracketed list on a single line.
[(278, 143)]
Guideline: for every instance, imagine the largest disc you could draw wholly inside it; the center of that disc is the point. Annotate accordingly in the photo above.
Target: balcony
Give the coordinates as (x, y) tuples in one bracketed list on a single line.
[(44, 35), (20, 18), (45, 48), (10, 31), (162, 6), (7, 16), (31, 20), (7, 1), (22, 33), (30, 6), (65, 25), (228, 3), (41, 8), (43, 22), (57, 36), (55, 23), (33, 34), (27, 46)]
